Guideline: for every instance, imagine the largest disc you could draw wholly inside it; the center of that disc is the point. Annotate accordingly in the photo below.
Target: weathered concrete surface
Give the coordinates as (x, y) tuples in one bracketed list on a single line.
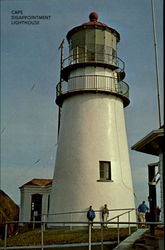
[(128, 242)]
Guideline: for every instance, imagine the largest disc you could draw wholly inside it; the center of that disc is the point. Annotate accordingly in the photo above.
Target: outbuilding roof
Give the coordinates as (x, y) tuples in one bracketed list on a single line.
[(38, 182), (152, 143)]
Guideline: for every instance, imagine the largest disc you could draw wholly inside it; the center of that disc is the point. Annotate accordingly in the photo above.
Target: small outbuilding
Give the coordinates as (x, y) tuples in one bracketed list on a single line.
[(153, 144), (35, 198)]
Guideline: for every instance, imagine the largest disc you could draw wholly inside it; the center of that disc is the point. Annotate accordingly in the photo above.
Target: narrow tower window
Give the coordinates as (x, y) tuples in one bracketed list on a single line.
[(105, 170)]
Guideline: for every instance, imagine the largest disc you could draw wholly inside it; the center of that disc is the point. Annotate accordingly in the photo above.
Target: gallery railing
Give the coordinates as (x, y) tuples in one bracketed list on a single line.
[(96, 57), (95, 83)]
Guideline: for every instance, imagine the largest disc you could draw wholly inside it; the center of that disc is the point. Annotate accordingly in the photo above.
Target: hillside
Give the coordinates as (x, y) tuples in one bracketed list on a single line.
[(9, 211)]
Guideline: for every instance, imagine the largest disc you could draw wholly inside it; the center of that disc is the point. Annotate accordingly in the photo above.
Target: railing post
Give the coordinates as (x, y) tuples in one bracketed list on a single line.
[(71, 221), (137, 225), (129, 228), (102, 237), (5, 241), (44, 219), (118, 230), (42, 236), (33, 222), (77, 54), (90, 229)]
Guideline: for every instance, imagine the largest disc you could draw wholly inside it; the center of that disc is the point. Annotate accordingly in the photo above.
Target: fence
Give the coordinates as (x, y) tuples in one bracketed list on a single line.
[(93, 82), (100, 224), (107, 58)]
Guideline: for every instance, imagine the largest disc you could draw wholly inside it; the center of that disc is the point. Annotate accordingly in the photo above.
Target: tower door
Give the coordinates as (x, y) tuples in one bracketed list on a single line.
[(36, 206)]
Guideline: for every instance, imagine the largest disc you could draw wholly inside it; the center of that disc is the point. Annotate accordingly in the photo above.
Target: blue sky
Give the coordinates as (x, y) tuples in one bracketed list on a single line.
[(30, 63)]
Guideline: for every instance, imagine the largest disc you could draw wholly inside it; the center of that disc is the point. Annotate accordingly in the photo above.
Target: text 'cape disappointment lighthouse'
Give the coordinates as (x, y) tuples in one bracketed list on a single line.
[(92, 162)]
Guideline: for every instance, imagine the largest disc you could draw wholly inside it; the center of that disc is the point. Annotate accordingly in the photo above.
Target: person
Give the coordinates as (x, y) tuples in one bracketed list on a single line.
[(105, 214), (91, 215), (157, 213), (148, 216), (142, 209)]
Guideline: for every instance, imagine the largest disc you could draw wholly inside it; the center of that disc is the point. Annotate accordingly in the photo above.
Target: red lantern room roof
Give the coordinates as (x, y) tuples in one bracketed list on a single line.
[(93, 20), (93, 17)]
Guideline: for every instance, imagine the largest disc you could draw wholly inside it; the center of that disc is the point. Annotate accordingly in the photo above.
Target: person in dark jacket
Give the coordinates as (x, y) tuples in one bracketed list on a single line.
[(91, 215)]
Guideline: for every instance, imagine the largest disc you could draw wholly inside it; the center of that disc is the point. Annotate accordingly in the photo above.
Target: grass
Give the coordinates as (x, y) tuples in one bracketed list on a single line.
[(52, 236)]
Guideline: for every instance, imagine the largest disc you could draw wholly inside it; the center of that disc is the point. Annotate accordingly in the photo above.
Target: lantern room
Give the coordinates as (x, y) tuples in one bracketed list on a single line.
[(92, 64), (93, 42)]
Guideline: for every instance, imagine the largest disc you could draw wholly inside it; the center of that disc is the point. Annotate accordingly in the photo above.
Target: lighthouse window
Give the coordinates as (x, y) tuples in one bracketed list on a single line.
[(100, 52), (114, 56), (90, 52), (105, 170)]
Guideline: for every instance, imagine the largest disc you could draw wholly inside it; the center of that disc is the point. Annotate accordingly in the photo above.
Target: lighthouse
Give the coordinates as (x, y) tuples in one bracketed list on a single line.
[(92, 161)]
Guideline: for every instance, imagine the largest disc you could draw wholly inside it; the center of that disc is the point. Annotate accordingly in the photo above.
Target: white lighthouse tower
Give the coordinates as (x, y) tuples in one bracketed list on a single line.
[(92, 162)]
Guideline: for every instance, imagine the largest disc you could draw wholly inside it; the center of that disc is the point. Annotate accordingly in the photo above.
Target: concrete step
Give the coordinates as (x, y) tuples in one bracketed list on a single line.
[(140, 246), (152, 241)]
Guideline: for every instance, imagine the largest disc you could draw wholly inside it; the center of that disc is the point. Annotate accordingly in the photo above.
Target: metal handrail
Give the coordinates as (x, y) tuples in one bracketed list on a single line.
[(86, 222), (96, 57), (101, 223), (74, 212), (121, 214), (93, 82), (67, 222), (89, 224), (118, 217), (128, 211)]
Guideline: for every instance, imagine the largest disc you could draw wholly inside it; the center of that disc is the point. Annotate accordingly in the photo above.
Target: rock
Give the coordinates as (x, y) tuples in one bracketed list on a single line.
[(9, 211)]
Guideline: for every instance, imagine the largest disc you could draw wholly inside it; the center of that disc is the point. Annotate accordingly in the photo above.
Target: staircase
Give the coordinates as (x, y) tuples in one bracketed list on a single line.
[(149, 243)]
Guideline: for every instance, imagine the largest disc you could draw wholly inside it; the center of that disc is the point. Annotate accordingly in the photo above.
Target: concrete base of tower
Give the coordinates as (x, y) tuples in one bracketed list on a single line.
[(80, 221), (81, 227)]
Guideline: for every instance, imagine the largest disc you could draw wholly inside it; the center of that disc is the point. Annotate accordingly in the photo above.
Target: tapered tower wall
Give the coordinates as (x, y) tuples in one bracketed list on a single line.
[(92, 161), (91, 132)]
